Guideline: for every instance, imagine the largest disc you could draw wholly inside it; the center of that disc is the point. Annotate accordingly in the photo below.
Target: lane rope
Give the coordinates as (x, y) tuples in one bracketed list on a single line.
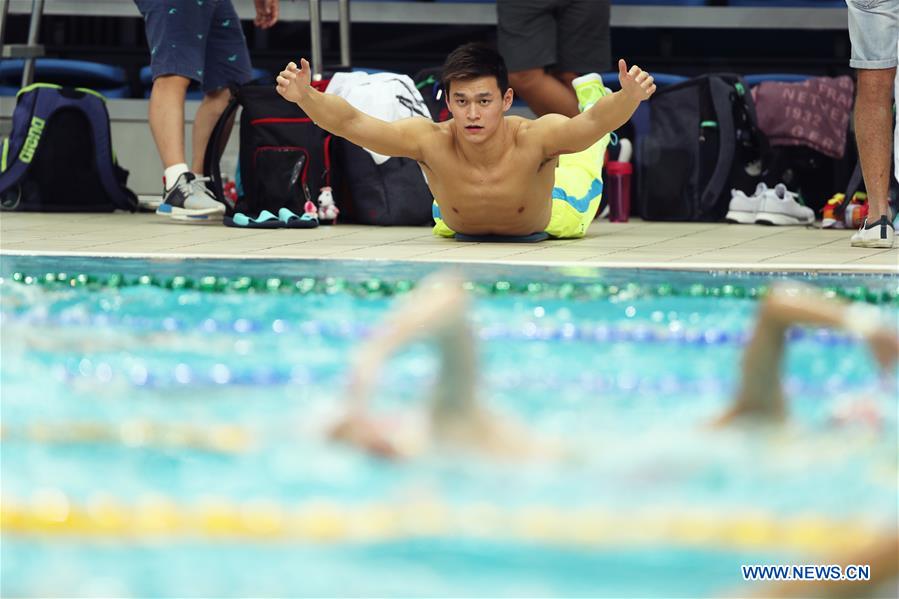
[(51, 513), (378, 288)]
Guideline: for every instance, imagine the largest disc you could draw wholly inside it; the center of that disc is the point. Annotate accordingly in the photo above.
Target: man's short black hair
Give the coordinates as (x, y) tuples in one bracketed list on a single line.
[(474, 60)]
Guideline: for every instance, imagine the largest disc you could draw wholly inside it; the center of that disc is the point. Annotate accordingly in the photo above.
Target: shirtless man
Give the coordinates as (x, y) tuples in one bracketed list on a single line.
[(492, 174)]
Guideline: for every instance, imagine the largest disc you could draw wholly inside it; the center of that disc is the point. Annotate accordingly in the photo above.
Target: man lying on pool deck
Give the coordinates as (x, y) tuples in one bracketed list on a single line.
[(492, 174), (438, 310)]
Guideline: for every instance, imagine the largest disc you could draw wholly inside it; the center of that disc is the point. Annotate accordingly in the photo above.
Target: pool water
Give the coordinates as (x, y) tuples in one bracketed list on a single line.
[(168, 439)]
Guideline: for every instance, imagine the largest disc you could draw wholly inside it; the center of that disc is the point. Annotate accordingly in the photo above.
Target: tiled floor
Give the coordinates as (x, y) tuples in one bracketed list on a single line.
[(633, 244)]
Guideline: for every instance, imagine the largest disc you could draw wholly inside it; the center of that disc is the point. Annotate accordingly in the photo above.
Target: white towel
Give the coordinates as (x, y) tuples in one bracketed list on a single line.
[(386, 96)]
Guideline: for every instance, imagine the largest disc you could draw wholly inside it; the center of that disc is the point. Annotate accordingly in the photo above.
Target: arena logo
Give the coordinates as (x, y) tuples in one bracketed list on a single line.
[(31, 141)]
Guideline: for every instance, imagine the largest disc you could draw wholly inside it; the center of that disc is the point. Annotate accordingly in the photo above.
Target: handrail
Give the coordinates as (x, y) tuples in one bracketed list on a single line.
[(34, 26), (702, 17)]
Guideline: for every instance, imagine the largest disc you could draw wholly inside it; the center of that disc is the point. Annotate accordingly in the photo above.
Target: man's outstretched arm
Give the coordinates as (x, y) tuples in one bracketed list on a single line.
[(334, 114), (760, 395), (562, 135)]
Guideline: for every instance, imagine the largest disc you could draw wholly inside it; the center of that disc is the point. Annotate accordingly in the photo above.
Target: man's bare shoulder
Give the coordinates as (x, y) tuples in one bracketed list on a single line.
[(532, 131), (419, 125), (544, 122)]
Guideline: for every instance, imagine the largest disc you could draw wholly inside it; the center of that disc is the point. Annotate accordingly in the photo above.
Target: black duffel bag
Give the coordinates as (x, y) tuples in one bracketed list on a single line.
[(703, 140)]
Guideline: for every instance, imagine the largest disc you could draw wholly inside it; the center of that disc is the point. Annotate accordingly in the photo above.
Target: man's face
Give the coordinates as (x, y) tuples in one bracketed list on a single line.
[(477, 106)]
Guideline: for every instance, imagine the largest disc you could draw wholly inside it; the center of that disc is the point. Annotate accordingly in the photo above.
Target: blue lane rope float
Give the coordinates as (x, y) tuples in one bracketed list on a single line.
[(182, 376), (376, 287), (530, 330), (51, 513)]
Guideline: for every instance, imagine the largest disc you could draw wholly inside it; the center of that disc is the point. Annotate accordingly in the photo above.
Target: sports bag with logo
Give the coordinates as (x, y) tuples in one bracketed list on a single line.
[(58, 157)]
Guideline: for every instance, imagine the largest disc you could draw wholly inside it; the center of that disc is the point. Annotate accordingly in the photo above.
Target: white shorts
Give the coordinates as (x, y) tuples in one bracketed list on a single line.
[(874, 33)]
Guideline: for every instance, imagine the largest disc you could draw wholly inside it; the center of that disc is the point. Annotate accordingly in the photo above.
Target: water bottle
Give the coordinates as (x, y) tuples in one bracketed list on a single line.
[(617, 186)]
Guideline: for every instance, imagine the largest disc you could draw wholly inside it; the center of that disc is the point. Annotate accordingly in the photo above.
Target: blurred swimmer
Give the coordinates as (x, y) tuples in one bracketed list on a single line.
[(437, 310)]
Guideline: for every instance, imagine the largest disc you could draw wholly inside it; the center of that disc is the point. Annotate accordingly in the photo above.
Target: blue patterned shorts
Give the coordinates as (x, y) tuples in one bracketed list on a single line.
[(198, 39)]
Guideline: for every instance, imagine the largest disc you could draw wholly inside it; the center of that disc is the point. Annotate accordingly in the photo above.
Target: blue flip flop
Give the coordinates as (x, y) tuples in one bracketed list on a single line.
[(265, 220), (289, 219)]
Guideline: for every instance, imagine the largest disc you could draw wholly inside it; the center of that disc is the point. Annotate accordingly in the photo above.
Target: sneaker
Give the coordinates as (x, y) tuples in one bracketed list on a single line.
[(856, 212), (190, 199), (830, 214), (743, 208), (780, 206), (879, 234), (589, 88)]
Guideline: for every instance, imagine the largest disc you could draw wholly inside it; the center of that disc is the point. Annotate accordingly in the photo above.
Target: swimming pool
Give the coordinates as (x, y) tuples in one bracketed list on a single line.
[(163, 435)]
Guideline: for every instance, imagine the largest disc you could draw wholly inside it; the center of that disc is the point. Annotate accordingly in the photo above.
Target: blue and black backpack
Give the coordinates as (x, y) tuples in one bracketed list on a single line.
[(58, 157)]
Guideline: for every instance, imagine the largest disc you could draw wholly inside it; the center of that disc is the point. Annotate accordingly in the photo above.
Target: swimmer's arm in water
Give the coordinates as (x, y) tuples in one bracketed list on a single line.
[(760, 394), (435, 309), (561, 135), (334, 114)]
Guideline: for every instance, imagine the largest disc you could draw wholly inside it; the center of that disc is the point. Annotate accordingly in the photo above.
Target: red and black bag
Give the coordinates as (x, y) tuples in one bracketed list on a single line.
[(284, 158)]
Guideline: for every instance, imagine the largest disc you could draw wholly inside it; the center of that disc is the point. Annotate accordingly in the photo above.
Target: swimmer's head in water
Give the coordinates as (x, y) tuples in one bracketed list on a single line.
[(476, 84)]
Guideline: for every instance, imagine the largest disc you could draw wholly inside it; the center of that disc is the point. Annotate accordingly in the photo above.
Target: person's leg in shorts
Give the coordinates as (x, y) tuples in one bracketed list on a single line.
[(188, 41), (577, 191), (583, 40), (874, 33), (227, 63), (528, 40)]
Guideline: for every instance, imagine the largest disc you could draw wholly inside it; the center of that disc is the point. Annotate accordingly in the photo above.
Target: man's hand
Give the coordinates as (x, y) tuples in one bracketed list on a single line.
[(266, 13), (293, 82), (636, 83)]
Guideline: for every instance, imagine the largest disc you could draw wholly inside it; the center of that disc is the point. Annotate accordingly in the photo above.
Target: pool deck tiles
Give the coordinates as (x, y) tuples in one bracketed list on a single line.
[(635, 244)]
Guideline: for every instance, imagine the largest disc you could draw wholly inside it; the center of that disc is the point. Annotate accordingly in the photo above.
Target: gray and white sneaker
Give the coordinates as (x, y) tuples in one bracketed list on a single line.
[(780, 207), (743, 208), (879, 234), (190, 199)]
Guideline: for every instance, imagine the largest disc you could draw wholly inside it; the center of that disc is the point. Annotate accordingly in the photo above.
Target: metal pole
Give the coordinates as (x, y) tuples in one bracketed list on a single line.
[(315, 29), (37, 9), (343, 12), (4, 13)]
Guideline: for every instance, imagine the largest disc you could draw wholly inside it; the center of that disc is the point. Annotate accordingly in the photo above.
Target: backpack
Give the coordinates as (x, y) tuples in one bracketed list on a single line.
[(379, 190), (427, 81), (58, 157), (703, 140), (284, 158)]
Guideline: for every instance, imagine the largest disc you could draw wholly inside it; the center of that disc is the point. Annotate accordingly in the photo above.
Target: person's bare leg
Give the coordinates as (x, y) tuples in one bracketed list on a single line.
[(208, 113), (166, 116), (874, 135), (544, 93), (566, 77)]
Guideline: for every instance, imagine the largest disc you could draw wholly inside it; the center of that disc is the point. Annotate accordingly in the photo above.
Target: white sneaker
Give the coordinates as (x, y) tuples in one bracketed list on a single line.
[(190, 199), (779, 207), (879, 234), (743, 208)]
